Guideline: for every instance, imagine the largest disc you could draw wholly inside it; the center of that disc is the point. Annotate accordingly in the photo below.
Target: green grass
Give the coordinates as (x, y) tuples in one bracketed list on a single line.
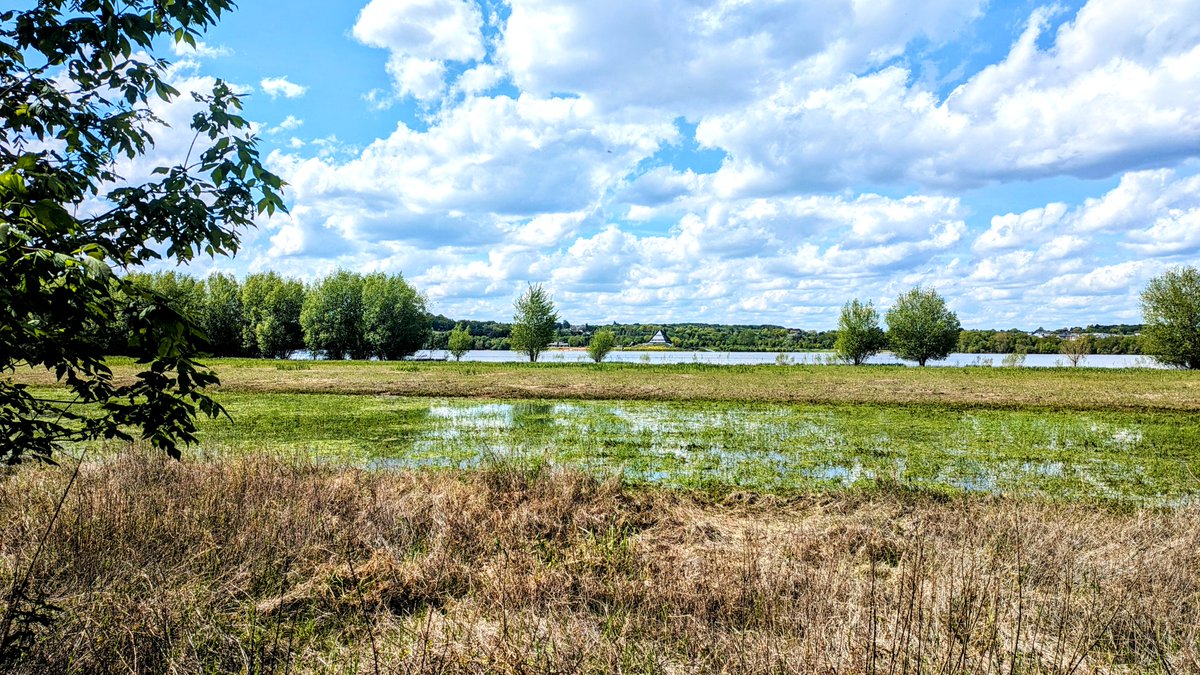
[(1064, 433), (1144, 457)]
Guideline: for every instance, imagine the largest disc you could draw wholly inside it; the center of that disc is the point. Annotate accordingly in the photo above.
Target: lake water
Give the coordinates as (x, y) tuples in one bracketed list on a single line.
[(790, 358)]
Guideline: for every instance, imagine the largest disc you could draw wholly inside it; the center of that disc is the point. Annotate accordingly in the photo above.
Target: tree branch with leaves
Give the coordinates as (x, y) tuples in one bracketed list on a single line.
[(77, 80)]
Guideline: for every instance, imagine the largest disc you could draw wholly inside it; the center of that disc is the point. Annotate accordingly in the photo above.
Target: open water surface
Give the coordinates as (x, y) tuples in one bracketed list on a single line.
[(791, 358)]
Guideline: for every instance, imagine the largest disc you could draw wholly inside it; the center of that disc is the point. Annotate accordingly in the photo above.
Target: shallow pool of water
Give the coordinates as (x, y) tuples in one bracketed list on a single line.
[(1070, 454)]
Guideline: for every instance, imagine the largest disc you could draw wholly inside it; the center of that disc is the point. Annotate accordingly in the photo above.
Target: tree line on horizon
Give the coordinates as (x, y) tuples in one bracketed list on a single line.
[(268, 315), (1112, 339)]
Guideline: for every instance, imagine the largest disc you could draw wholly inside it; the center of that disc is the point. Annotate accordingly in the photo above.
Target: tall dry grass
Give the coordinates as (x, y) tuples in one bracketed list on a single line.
[(267, 565)]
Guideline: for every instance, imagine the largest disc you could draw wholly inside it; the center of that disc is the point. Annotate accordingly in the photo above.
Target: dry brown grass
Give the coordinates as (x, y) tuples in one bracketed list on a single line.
[(284, 566), (1071, 388)]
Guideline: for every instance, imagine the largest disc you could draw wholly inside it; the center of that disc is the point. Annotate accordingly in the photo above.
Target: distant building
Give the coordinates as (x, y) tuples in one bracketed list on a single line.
[(659, 340)]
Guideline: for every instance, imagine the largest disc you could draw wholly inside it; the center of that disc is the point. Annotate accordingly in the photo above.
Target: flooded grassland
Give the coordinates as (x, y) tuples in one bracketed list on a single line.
[(1145, 457), (1127, 435)]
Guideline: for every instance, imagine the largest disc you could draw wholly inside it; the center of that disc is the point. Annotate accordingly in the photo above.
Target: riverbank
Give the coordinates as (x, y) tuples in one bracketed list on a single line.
[(262, 564)]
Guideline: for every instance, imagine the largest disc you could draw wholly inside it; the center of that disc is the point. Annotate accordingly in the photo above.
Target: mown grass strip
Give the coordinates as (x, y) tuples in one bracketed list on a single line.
[(970, 387)]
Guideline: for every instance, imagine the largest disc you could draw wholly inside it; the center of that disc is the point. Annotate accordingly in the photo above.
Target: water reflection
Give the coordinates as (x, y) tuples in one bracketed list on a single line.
[(780, 447)]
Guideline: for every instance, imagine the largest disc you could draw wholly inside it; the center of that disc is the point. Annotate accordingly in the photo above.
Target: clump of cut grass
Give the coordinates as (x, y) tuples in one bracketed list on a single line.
[(282, 565), (292, 365)]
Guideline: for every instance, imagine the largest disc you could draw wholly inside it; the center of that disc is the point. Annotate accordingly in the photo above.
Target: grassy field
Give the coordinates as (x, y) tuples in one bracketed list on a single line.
[(978, 387), (627, 518), (260, 565), (1063, 433)]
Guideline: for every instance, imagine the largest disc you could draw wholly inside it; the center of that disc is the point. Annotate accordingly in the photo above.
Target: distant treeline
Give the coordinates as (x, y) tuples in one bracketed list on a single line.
[(690, 336), (1118, 339), (1049, 342), (360, 316)]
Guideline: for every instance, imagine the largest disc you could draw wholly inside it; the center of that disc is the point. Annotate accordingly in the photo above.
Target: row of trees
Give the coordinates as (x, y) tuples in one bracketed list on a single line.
[(920, 327), (383, 316), (717, 337), (1020, 342), (267, 315), (271, 316)]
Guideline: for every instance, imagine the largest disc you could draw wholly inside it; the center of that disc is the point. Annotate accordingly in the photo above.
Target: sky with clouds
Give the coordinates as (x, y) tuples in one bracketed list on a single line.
[(730, 161)]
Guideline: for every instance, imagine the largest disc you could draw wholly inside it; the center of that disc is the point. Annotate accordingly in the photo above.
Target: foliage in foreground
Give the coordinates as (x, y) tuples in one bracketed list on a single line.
[(270, 565), (76, 112)]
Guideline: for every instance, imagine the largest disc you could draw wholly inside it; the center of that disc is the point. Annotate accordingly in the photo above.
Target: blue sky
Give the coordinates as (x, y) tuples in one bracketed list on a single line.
[(723, 160)]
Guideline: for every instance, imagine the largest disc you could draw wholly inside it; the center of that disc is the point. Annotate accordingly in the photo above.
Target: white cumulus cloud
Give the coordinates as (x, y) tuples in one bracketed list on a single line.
[(281, 86), (421, 36), (201, 50)]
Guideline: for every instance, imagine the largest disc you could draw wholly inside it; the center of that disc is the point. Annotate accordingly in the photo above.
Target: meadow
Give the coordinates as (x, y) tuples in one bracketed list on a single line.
[(1135, 389), (440, 517)]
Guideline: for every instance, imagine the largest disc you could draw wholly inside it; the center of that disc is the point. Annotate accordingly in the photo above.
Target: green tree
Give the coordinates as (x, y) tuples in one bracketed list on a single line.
[(185, 294), (332, 317), (222, 314), (271, 315), (395, 320), (76, 84), (460, 341), (1171, 318), (1077, 349), (136, 294), (534, 322), (921, 327), (859, 336), (602, 343)]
